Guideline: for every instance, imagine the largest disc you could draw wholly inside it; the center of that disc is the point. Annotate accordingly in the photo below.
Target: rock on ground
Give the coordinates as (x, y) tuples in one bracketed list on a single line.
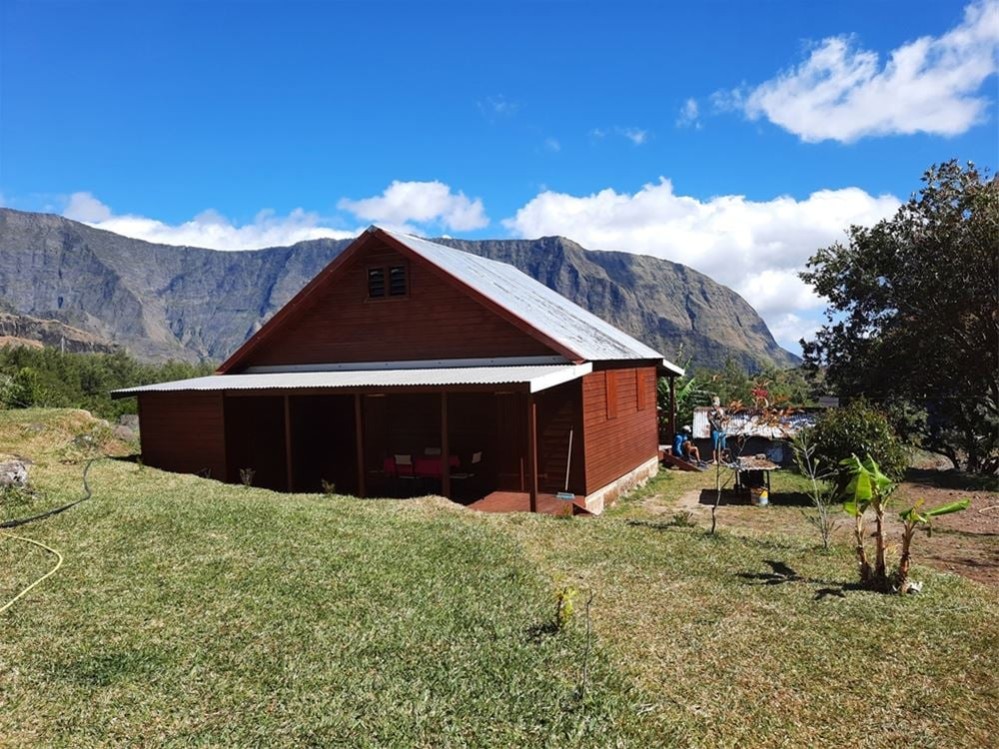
[(13, 473)]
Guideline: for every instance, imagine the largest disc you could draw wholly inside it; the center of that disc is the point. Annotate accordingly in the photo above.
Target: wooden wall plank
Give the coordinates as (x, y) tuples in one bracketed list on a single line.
[(615, 446), (434, 321), (183, 432)]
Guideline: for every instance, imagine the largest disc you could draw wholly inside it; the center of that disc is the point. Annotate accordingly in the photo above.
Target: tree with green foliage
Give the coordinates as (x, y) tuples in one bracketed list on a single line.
[(858, 428), (732, 384), (913, 314), (48, 377)]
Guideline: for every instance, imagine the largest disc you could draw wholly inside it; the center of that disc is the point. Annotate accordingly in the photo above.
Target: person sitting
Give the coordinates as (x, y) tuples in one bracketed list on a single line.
[(684, 447)]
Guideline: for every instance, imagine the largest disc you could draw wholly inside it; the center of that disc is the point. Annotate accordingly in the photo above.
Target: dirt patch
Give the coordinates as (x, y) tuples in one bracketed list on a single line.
[(966, 543)]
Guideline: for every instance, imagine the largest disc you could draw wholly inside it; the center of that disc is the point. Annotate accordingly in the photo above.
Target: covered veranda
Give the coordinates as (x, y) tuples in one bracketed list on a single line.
[(472, 434)]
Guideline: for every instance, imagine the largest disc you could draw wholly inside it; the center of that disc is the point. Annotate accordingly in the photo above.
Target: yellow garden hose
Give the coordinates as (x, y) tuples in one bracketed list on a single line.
[(87, 494), (44, 577)]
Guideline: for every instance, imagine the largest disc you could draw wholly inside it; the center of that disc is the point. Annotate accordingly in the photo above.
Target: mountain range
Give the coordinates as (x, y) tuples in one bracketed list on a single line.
[(165, 302)]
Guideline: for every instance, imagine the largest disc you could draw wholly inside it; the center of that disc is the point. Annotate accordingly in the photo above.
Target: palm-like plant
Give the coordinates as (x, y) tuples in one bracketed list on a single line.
[(870, 489), (912, 518)]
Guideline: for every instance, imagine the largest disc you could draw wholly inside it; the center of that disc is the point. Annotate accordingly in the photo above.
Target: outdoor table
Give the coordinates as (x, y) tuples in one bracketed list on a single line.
[(745, 467)]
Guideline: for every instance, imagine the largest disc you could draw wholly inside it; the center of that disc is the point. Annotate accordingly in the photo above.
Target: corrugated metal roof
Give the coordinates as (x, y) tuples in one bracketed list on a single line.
[(753, 425), (537, 377), (551, 313)]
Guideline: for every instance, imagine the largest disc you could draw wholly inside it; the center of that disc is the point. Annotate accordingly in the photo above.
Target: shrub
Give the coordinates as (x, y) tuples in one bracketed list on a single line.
[(21, 389), (859, 429)]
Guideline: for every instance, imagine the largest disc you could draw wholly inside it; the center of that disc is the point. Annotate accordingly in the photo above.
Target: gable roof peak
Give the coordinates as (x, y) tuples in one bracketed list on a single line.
[(590, 337)]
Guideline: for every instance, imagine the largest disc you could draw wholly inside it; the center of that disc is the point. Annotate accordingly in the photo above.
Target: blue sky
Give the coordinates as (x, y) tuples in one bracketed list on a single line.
[(735, 137)]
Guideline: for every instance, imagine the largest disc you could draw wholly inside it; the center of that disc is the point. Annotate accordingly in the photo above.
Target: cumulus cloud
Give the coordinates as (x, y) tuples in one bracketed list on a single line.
[(843, 92), (208, 229), (403, 204), (415, 207), (83, 206), (690, 115), (755, 247), (788, 329)]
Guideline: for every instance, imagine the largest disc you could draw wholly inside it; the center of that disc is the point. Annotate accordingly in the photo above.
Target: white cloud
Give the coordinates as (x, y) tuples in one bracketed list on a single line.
[(689, 115), (208, 229), (634, 134), (415, 207), (755, 247), (553, 145), (404, 203), (788, 329), (83, 206), (842, 92)]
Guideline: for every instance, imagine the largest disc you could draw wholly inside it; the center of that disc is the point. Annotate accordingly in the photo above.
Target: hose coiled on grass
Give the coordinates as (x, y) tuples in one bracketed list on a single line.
[(87, 494)]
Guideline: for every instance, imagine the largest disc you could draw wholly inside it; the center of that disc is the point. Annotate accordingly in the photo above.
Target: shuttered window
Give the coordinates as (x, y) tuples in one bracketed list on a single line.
[(397, 281), (376, 283), (610, 391), (392, 281)]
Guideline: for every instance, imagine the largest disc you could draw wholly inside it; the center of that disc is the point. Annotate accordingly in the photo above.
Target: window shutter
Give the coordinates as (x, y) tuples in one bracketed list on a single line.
[(398, 285), (376, 283), (610, 391)]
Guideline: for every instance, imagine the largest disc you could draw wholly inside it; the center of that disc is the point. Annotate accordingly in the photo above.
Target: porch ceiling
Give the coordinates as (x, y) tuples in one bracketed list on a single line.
[(533, 378)]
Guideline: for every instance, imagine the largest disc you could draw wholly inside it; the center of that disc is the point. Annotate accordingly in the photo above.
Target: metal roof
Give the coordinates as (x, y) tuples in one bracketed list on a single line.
[(536, 377), (745, 424), (592, 338)]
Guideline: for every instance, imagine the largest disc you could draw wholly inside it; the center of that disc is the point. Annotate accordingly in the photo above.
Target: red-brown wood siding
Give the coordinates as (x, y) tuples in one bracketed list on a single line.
[(434, 321), (255, 440), (559, 412), (610, 393), (615, 446), (183, 432)]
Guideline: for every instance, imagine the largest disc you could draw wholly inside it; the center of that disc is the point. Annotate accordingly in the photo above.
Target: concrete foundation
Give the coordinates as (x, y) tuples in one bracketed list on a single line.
[(607, 495)]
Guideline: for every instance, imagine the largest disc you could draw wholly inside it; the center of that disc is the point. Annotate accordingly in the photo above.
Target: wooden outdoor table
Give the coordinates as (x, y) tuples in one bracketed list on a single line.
[(754, 465)]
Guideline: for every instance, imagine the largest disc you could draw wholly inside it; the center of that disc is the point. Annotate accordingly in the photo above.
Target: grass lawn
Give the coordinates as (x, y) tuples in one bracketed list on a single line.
[(192, 613)]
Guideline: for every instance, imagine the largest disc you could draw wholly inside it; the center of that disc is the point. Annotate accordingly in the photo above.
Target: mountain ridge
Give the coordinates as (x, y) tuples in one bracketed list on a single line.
[(166, 301)]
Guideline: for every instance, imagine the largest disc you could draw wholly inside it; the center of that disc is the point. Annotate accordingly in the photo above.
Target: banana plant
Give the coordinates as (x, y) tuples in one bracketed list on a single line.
[(912, 518), (869, 488)]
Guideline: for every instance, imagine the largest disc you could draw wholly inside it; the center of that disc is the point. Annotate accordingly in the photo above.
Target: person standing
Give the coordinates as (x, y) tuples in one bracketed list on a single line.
[(717, 419)]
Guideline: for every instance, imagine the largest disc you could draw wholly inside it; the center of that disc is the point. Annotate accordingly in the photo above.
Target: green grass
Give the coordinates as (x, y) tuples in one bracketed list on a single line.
[(191, 613)]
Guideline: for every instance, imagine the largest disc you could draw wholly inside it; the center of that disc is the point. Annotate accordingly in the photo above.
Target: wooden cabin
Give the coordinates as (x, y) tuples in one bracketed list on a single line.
[(407, 368)]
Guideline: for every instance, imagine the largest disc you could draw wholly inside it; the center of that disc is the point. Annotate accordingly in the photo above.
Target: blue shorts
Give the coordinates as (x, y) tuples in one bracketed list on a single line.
[(718, 438)]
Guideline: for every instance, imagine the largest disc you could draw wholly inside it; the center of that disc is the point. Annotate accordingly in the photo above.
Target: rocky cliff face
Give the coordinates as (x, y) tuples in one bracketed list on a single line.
[(189, 303), (30, 331)]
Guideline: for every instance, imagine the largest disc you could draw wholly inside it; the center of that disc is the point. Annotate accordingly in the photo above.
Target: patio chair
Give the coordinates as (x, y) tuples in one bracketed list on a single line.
[(476, 460), (404, 466)]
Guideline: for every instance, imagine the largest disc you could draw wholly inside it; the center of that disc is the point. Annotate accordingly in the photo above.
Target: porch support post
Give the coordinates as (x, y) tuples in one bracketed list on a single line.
[(287, 444), (672, 409), (359, 436), (532, 451), (445, 451)]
